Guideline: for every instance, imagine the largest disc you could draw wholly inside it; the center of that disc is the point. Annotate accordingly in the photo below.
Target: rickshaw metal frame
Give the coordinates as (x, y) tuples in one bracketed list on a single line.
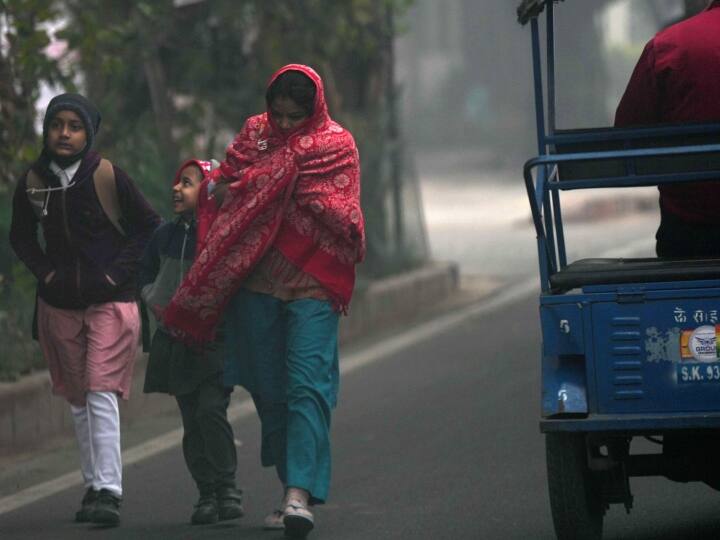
[(543, 185), (543, 190)]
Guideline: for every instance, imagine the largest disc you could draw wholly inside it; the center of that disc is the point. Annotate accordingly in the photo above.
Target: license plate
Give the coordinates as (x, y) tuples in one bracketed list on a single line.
[(698, 372)]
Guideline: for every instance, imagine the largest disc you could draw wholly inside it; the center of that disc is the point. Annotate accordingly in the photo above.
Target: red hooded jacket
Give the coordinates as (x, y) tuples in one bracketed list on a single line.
[(677, 80)]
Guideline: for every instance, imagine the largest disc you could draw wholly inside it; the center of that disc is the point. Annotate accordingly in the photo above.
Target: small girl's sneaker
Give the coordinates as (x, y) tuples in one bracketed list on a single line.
[(298, 520), (229, 503)]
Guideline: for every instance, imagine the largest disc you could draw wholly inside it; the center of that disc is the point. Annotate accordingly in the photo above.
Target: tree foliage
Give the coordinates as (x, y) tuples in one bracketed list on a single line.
[(24, 68), (174, 79)]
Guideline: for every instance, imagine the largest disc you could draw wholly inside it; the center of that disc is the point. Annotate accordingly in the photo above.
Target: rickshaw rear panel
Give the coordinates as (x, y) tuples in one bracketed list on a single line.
[(635, 339)]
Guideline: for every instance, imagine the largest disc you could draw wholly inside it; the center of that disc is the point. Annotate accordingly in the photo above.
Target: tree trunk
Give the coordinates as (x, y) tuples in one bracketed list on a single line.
[(162, 106)]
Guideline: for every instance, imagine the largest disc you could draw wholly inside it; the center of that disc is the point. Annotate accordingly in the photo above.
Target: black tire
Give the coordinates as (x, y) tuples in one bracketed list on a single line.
[(575, 498)]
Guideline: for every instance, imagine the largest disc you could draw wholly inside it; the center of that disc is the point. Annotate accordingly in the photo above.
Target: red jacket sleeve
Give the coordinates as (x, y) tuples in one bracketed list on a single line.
[(640, 105)]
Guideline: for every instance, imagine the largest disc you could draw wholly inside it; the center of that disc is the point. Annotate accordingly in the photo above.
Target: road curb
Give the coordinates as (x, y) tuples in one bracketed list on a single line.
[(30, 415)]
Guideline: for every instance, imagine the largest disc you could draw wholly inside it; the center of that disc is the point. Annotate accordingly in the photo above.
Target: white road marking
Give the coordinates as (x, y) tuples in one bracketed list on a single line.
[(351, 362)]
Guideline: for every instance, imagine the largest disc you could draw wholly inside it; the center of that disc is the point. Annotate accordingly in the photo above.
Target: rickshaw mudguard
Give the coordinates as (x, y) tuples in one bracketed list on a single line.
[(564, 392), (564, 381)]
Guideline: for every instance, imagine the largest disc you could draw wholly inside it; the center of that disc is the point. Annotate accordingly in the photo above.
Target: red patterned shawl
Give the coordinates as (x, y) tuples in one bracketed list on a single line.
[(299, 192)]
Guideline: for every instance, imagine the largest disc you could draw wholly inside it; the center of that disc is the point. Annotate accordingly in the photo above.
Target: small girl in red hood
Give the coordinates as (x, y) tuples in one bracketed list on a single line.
[(194, 377), (279, 261)]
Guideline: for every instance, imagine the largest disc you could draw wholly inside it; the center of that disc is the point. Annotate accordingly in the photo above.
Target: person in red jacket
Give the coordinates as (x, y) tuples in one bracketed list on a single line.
[(677, 80)]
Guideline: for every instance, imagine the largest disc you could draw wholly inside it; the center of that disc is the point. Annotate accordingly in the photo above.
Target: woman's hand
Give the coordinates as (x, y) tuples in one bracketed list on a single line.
[(219, 192)]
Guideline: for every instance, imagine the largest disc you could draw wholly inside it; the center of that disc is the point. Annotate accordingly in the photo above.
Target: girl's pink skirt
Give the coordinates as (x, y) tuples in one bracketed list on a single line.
[(89, 350)]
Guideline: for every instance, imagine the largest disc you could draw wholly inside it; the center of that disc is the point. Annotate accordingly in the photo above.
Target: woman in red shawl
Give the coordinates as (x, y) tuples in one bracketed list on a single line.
[(277, 257)]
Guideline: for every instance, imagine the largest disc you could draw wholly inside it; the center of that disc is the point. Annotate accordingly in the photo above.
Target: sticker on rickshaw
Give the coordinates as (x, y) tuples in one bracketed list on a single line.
[(700, 344), (700, 361)]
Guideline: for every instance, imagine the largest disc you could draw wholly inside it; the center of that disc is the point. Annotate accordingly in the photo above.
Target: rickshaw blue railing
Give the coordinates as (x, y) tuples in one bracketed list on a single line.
[(630, 134), (546, 210)]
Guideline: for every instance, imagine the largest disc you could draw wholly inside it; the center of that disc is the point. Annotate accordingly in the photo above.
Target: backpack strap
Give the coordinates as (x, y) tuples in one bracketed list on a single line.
[(106, 189)]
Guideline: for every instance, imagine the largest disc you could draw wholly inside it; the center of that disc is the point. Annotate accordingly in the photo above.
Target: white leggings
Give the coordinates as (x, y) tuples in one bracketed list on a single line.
[(97, 428)]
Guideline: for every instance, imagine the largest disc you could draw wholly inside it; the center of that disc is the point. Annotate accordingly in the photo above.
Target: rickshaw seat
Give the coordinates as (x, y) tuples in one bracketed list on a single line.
[(606, 139), (614, 271)]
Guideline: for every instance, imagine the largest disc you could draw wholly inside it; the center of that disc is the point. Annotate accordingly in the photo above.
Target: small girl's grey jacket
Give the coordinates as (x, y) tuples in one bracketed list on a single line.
[(173, 368)]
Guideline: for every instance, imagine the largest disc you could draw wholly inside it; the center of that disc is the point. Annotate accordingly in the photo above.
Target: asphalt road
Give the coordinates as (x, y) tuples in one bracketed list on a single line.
[(436, 441)]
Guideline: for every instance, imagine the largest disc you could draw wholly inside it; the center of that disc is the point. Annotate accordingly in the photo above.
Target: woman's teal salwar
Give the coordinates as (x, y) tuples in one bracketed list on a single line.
[(285, 354)]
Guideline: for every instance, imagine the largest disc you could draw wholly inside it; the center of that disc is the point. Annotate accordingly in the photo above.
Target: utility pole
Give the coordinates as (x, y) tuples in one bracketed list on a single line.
[(393, 132)]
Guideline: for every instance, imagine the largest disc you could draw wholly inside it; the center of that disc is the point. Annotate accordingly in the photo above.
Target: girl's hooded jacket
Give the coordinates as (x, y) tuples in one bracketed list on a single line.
[(172, 367), (81, 244), (298, 192)]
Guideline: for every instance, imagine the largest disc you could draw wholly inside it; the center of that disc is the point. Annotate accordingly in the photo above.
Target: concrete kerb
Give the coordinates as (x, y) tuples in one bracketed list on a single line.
[(30, 415)]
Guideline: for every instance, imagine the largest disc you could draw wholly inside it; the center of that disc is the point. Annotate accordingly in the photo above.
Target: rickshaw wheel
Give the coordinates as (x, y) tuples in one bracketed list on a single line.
[(575, 500)]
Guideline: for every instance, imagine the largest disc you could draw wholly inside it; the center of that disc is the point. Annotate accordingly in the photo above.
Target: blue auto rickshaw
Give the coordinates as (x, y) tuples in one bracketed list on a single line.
[(630, 347)]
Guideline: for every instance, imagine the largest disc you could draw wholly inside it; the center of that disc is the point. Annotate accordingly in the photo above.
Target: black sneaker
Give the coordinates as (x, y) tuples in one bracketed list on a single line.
[(107, 508), (206, 510), (229, 502), (86, 506)]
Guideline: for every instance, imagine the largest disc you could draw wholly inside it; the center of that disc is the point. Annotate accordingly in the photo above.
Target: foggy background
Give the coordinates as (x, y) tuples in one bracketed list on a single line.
[(464, 69), (465, 75)]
